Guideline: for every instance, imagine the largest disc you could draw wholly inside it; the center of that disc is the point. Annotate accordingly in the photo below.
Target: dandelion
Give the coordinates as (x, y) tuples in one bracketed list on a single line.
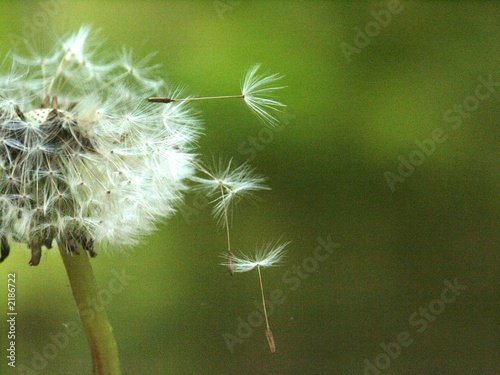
[(268, 256), (86, 161)]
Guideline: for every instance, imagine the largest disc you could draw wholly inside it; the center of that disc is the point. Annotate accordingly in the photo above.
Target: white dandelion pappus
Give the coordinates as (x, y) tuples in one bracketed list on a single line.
[(84, 159), (268, 256), (258, 90), (227, 184)]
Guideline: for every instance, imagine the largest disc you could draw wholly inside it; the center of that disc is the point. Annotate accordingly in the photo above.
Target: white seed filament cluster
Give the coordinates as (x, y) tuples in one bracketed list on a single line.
[(84, 158)]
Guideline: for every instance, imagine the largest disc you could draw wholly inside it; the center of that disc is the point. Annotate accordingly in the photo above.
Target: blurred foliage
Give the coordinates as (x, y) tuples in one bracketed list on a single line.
[(347, 125)]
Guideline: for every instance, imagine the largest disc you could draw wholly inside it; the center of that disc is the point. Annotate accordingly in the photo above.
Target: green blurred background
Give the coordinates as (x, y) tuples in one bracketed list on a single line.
[(347, 124)]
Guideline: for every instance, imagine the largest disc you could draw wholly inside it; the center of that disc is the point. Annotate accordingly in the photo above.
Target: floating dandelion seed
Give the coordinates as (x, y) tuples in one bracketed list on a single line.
[(268, 256), (226, 185), (257, 91)]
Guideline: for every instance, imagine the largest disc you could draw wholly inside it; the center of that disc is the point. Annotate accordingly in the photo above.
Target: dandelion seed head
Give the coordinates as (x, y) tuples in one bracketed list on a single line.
[(84, 158)]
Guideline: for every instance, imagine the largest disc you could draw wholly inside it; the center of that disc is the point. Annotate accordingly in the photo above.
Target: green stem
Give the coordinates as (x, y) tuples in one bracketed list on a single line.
[(95, 324)]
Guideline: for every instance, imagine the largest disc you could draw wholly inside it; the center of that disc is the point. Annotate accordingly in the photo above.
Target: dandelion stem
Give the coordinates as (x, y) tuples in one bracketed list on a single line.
[(97, 328), (171, 100)]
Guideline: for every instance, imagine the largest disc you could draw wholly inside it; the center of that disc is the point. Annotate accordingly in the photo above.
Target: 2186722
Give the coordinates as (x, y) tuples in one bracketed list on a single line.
[(11, 287)]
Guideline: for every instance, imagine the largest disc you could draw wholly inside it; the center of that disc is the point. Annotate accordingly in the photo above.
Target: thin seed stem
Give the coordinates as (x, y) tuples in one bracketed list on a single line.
[(263, 299), (97, 329), (171, 100), (230, 255), (269, 334), (226, 220)]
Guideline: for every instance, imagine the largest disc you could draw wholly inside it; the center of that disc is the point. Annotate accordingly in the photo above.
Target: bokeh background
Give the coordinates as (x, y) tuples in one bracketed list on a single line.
[(350, 119)]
